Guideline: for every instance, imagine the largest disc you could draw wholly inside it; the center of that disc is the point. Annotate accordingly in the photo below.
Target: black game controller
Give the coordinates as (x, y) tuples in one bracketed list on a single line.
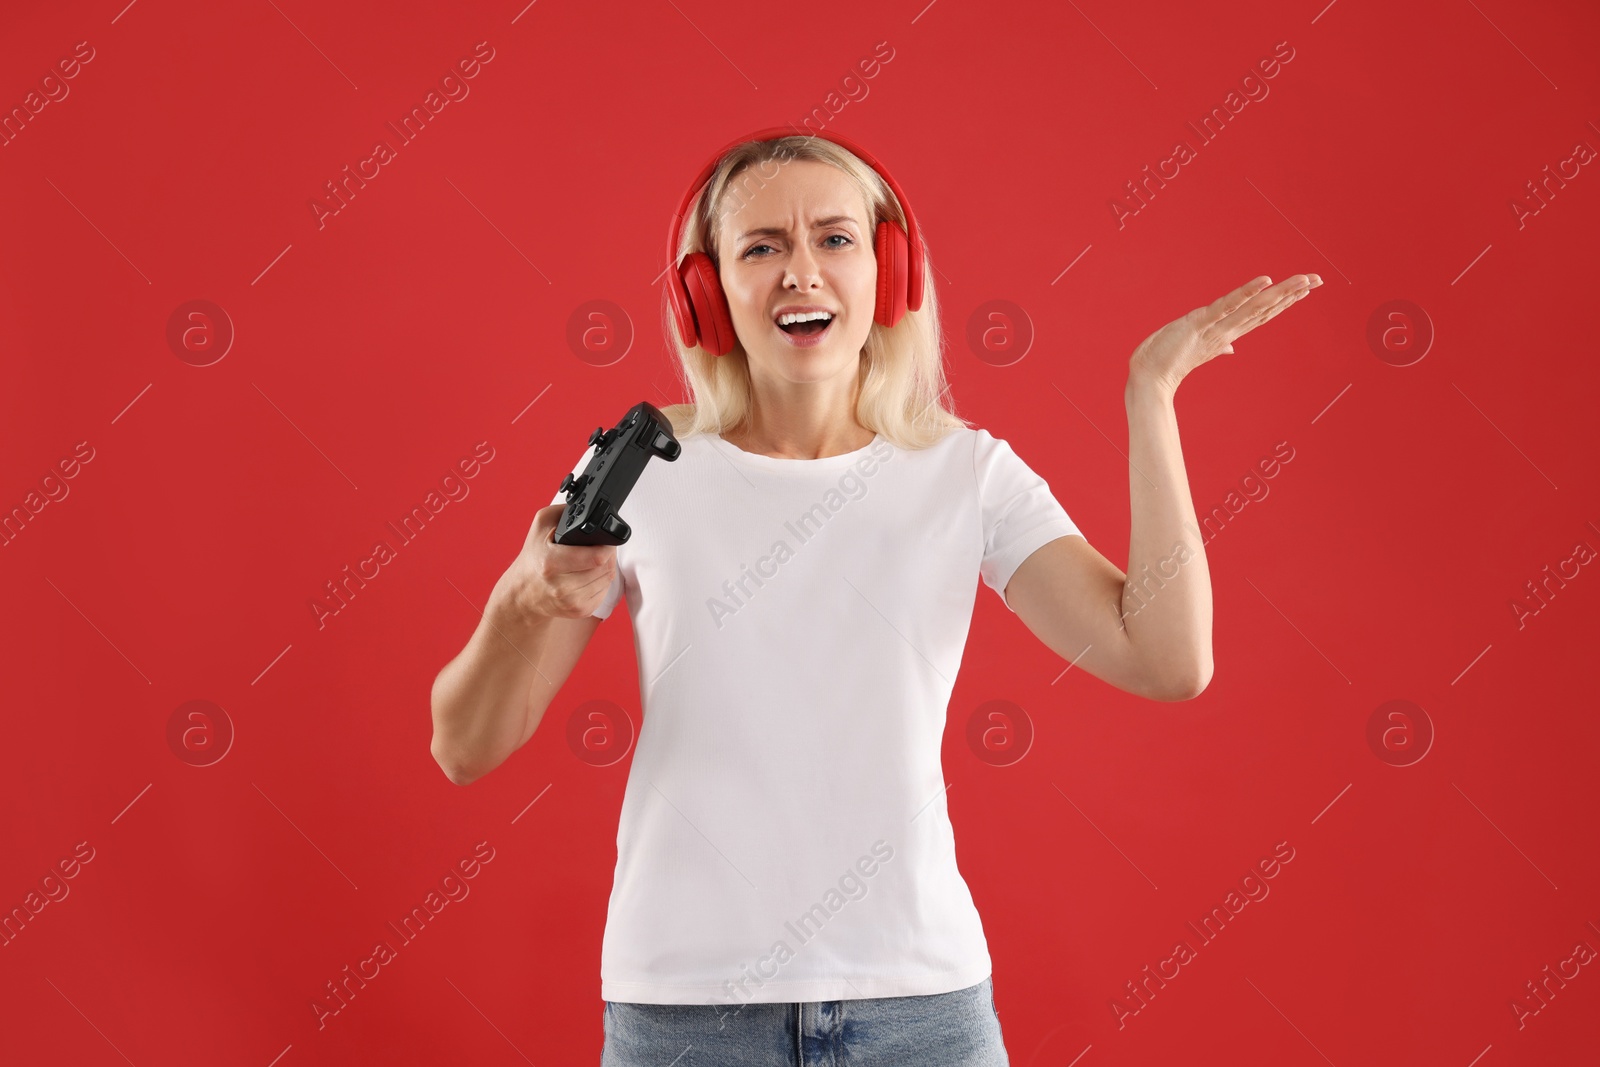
[(594, 497)]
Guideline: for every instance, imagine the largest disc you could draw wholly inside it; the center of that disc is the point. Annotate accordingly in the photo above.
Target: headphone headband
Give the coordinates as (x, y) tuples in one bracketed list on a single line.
[(913, 232)]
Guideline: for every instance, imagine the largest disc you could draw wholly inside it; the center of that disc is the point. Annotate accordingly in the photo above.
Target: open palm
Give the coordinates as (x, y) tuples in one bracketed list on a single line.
[(1169, 354)]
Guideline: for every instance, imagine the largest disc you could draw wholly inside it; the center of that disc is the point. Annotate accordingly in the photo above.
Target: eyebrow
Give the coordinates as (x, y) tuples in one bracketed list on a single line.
[(778, 231)]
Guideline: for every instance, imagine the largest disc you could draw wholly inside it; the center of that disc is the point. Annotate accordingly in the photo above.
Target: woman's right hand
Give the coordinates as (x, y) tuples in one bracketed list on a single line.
[(557, 581)]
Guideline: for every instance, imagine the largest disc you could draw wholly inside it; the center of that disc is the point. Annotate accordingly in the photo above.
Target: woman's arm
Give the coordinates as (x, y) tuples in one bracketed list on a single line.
[(1166, 598), (1148, 631), (488, 701)]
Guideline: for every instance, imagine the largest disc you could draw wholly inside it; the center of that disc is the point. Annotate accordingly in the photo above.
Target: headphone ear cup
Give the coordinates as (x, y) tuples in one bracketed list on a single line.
[(892, 248), (678, 302), (713, 323)]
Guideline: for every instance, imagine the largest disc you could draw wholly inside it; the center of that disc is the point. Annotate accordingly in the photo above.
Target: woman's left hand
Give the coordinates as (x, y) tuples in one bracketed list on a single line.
[(1168, 355)]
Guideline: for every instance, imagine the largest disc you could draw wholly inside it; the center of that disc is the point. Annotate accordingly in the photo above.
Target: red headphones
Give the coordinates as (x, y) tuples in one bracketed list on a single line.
[(695, 292)]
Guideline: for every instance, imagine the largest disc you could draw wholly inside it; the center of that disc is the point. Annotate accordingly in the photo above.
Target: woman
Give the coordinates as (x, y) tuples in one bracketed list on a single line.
[(801, 583)]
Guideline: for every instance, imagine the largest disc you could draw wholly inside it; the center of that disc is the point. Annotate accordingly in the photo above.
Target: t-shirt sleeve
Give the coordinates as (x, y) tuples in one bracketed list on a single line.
[(614, 593), (1018, 510)]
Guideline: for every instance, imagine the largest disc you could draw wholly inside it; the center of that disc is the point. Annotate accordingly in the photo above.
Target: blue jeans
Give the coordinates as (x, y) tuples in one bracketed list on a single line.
[(956, 1029)]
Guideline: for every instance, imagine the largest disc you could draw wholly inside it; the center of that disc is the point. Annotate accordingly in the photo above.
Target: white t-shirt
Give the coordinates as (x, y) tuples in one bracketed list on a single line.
[(798, 626)]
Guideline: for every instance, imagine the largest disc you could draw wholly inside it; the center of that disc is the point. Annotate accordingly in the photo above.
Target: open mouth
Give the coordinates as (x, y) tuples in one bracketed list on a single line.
[(811, 327)]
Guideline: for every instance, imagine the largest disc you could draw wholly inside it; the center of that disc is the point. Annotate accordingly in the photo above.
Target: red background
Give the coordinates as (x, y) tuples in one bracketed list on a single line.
[(375, 351)]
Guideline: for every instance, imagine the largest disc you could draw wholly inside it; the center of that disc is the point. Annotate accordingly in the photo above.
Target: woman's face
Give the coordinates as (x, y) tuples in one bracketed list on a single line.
[(800, 238)]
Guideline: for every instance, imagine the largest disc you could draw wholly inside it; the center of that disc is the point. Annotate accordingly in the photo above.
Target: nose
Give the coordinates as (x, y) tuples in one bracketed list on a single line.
[(802, 272)]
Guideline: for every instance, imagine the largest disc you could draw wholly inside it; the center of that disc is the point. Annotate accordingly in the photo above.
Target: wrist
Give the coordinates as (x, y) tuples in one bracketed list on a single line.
[(1143, 385)]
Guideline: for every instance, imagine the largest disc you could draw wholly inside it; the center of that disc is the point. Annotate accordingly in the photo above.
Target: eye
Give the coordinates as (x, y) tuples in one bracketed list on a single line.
[(749, 251), (846, 239)]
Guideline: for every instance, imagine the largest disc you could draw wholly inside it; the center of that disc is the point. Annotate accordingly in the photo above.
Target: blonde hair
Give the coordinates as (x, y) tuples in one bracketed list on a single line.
[(903, 388)]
